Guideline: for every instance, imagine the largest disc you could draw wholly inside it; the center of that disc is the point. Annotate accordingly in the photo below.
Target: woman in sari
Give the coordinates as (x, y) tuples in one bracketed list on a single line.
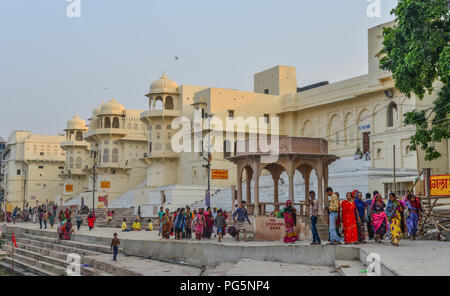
[(67, 231), (360, 208), (199, 222), (378, 218), (165, 221), (91, 220), (209, 220), (349, 217), (414, 209), (393, 213), (290, 221)]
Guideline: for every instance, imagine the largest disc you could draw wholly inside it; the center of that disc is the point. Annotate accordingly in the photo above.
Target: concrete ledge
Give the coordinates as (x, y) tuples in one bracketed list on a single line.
[(212, 254)]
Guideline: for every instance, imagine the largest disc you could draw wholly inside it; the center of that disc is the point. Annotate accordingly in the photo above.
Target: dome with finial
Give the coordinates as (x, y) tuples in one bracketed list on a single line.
[(112, 108), (164, 84), (76, 123)]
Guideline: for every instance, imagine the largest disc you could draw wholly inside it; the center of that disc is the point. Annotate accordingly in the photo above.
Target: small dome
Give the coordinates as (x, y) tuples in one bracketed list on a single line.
[(163, 83), (112, 108), (76, 123)]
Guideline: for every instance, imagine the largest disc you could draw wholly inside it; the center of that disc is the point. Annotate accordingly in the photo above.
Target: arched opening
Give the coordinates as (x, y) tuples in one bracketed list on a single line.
[(116, 123), (115, 155), (169, 103), (334, 130), (349, 130), (150, 101), (308, 130), (158, 103), (107, 123), (392, 114), (79, 136), (78, 163), (106, 155), (226, 148)]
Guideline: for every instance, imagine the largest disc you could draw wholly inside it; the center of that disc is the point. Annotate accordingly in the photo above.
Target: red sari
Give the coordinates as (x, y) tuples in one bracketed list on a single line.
[(349, 222)]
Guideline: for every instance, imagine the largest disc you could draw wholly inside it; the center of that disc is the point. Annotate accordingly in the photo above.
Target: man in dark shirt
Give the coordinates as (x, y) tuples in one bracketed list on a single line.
[(242, 216)]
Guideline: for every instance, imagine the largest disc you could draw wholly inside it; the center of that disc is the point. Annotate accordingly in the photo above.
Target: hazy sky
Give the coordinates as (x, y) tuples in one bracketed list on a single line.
[(53, 66)]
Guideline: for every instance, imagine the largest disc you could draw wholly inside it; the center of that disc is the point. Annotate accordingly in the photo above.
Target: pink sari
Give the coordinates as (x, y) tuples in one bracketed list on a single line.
[(379, 218)]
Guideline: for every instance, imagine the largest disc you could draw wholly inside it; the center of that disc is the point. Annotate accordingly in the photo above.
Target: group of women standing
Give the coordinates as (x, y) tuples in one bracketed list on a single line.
[(395, 219)]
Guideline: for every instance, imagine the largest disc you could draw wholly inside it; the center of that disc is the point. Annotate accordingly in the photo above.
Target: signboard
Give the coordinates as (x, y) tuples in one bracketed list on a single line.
[(105, 184), (440, 185), (69, 187), (219, 174), (103, 199)]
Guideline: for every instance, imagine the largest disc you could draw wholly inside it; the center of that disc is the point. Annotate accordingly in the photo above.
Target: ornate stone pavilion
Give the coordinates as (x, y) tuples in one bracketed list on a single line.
[(295, 154)]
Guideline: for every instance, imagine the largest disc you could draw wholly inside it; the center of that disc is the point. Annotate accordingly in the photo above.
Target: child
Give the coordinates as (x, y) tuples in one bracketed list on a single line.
[(115, 246), (220, 224)]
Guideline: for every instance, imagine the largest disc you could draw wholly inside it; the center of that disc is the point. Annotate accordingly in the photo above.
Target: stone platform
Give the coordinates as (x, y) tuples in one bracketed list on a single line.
[(410, 258)]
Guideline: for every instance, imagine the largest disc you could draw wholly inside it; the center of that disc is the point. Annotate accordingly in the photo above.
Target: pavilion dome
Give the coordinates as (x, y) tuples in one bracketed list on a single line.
[(112, 108), (163, 84), (76, 123), (97, 111)]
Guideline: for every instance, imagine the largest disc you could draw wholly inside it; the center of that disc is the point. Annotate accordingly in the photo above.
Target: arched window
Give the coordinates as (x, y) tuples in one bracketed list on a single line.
[(115, 155), (169, 103), (226, 148), (106, 155), (107, 123), (151, 103), (78, 163), (407, 150), (158, 103), (71, 163), (116, 123), (391, 114), (79, 136)]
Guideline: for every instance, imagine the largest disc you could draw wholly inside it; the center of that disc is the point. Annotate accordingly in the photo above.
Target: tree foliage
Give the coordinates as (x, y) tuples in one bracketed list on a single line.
[(417, 53)]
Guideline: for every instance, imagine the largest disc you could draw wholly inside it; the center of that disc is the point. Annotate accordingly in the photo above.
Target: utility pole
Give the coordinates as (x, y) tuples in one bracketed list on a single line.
[(208, 160), (94, 153), (24, 187), (395, 179)]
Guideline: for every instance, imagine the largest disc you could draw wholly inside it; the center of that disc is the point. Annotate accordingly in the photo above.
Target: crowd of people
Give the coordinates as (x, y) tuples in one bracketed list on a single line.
[(394, 220), (350, 221), (202, 224)]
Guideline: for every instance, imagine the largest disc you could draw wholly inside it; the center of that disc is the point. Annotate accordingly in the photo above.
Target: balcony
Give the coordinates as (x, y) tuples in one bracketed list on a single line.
[(74, 144), (160, 113), (106, 131)]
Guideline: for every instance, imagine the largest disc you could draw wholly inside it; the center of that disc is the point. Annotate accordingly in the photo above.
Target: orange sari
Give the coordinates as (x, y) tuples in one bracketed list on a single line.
[(349, 222)]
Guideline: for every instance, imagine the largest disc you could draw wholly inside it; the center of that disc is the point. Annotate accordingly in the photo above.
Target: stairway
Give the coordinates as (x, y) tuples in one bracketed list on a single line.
[(47, 256)]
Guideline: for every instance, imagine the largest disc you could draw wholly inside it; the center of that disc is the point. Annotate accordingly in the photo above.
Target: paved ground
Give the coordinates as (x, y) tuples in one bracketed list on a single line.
[(247, 267), (410, 258), (150, 267), (414, 258)]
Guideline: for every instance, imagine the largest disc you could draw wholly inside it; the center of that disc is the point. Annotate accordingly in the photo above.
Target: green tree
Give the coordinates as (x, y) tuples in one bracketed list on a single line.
[(417, 53)]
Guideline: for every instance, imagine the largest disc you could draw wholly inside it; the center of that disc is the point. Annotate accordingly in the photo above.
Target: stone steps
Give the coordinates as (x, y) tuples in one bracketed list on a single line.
[(46, 256), (50, 260), (34, 266), (70, 243)]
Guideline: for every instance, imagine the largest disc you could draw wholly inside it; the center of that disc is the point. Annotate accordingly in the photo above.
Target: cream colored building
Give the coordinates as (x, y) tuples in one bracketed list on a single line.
[(78, 159), (136, 163), (32, 170), (118, 140)]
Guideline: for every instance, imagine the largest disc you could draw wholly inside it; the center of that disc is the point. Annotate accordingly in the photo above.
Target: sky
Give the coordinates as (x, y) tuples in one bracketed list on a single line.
[(53, 66)]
